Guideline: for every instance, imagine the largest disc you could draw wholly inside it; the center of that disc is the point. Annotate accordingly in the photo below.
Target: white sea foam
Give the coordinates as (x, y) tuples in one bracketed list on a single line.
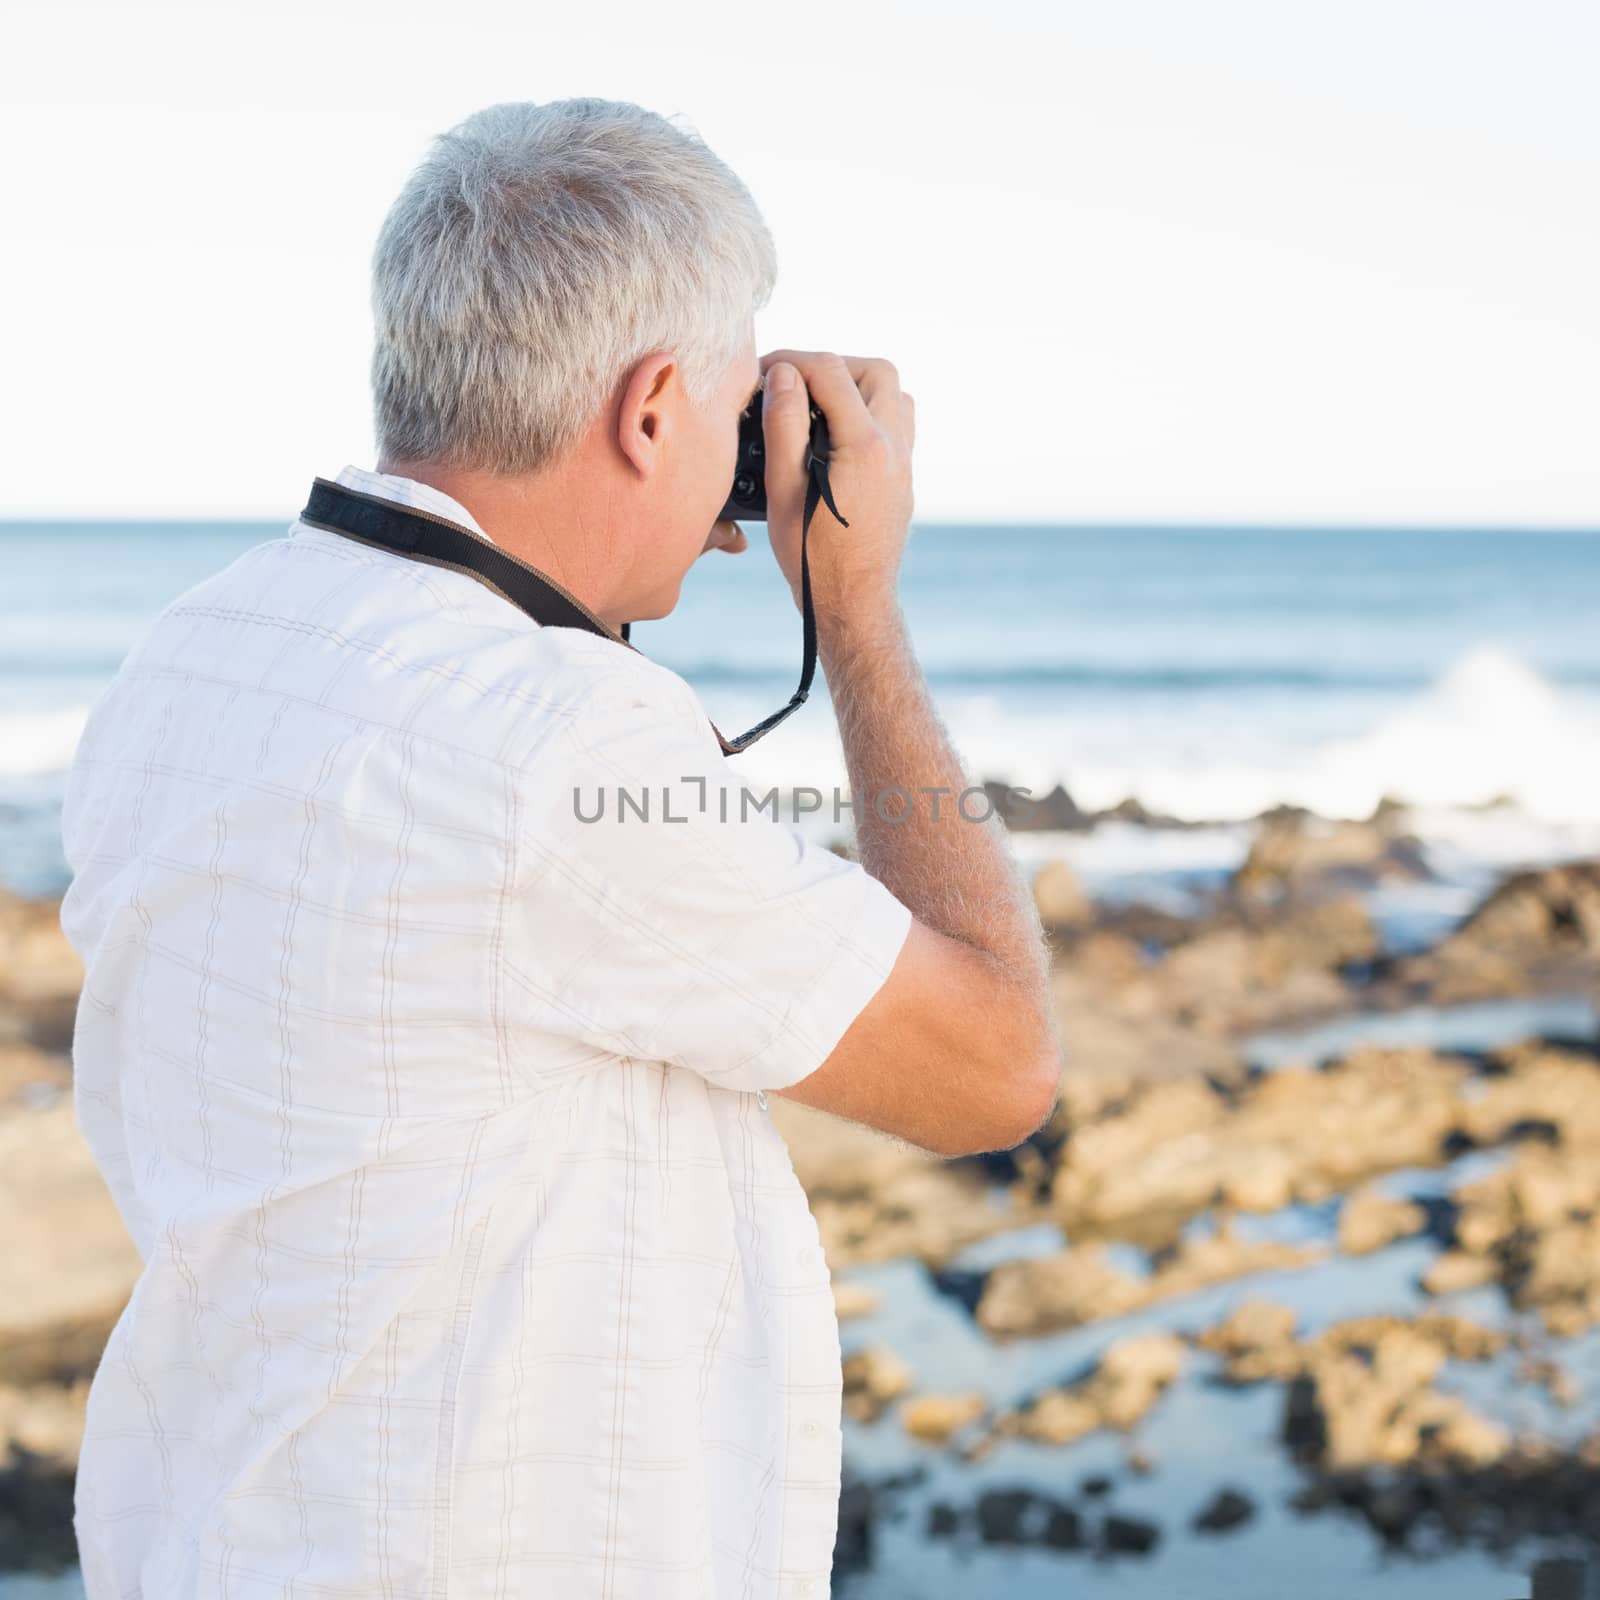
[(39, 742), (1490, 727)]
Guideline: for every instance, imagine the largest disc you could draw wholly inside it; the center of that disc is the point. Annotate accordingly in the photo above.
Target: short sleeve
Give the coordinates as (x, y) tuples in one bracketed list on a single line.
[(666, 910)]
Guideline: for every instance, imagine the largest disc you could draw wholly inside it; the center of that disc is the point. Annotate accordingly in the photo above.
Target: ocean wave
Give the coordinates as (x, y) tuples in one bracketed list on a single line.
[(34, 742), (1489, 728)]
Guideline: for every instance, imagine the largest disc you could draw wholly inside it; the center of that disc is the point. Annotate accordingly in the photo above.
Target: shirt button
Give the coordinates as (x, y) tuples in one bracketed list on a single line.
[(811, 1429)]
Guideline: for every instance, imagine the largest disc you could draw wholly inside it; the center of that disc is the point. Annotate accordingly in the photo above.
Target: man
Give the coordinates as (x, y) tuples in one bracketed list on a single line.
[(474, 1265)]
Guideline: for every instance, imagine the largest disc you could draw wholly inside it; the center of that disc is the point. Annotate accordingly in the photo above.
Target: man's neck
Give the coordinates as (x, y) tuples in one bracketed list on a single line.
[(538, 520)]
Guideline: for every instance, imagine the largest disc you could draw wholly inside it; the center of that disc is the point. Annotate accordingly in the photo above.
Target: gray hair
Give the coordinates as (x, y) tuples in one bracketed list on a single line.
[(535, 255)]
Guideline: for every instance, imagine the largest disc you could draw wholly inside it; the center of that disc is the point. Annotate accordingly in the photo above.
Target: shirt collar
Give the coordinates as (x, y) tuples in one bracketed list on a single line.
[(408, 492)]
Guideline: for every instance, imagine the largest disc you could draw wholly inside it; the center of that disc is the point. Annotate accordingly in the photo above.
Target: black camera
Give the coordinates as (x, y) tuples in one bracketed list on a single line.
[(747, 501)]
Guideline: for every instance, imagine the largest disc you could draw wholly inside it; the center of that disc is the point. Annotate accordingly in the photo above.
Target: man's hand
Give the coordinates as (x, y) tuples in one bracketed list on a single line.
[(871, 427)]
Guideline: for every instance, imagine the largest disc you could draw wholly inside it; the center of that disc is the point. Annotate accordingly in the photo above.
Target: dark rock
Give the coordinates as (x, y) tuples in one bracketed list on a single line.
[(943, 1520), (1128, 1535), (35, 1513), (1227, 1509), (1008, 1516), (858, 1511), (1096, 1486), (1063, 1529)]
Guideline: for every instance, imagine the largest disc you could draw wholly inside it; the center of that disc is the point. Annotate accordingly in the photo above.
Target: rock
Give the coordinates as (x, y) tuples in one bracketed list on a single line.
[(1201, 1260), (1121, 1535), (1010, 1516), (935, 1417), (1059, 899), (68, 1265), (1147, 1359), (32, 1079), (871, 1379), (1364, 1397), (1063, 1529), (1227, 1509), (1302, 854), (40, 973), (1553, 1378), (45, 1420), (1058, 1416), (854, 1300), (876, 1198), (1455, 1270), (1052, 1292), (1178, 1148), (1369, 1220), (1257, 1338), (1534, 923), (1125, 1384), (1023, 813)]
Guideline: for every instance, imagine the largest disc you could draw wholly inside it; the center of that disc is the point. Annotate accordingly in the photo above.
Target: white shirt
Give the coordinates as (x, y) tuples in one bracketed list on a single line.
[(473, 1265)]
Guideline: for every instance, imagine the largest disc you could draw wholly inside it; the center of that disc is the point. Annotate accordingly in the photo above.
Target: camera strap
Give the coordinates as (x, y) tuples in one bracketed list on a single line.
[(425, 536)]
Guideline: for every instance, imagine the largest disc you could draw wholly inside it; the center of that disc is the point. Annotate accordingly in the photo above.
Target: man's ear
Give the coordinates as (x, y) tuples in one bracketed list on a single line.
[(727, 536), (642, 414)]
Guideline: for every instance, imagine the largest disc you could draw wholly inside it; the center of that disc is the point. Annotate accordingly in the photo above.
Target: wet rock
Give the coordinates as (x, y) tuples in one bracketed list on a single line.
[(1554, 1378), (32, 1079), (36, 1510), (1368, 1399), (1257, 1340), (68, 1265), (1060, 1291), (1120, 1535), (1059, 898), (1228, 1509), (1024, 813), (1532, 1084), (935, 1417), (1181, 1147), (1010, 1516), (855, 1539), (872, 1378), (1129, 1379), (1297, 855), (1369, 1220), (40, 974), (1200, 1260), (1250, 1325), (1456, 1270), (1047, 1294), (1533, 925), (854, 1300), (1063, 1529), (1132, 1373), (1242, 973)]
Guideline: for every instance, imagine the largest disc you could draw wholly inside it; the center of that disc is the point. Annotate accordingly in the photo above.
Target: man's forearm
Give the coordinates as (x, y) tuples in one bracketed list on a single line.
[(951, 866)]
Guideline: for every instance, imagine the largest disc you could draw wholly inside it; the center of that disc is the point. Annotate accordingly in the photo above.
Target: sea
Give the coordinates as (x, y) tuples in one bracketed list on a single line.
[(1208, 673)]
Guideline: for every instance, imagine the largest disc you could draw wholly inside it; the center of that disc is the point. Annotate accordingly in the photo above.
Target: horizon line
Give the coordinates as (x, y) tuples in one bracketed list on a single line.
[(1074, 525)]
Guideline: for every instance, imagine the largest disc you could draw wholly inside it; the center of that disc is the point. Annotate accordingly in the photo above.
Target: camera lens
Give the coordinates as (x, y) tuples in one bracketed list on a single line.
[(744, 487)]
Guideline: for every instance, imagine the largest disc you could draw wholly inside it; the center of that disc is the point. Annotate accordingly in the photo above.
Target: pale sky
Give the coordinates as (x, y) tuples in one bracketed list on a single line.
[(1138, 260)]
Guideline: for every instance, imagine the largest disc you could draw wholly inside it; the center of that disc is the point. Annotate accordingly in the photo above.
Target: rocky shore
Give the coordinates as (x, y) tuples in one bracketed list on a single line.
[(1165, 1172)]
